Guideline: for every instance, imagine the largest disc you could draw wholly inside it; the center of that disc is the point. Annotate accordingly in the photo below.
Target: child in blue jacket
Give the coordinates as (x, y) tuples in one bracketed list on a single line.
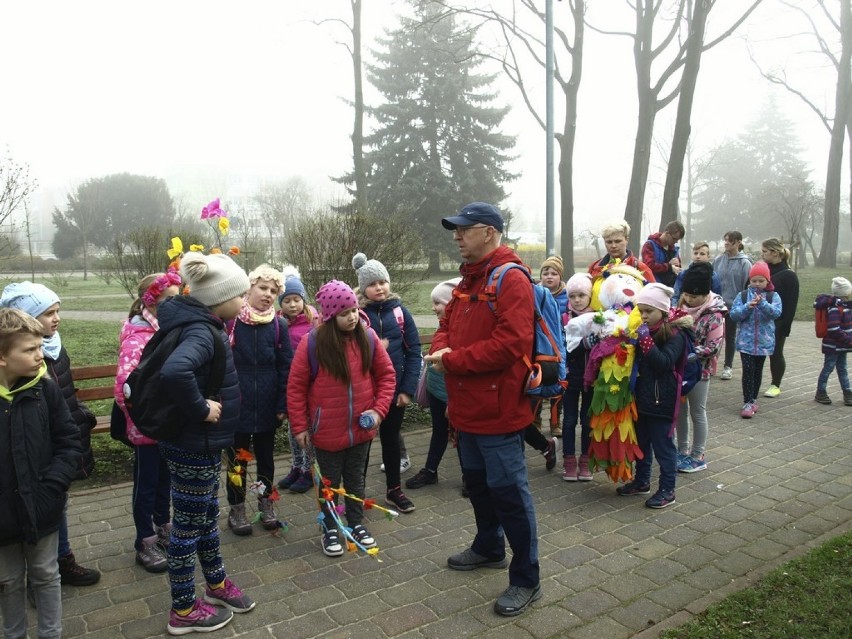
[(395, 327), (755, 310)]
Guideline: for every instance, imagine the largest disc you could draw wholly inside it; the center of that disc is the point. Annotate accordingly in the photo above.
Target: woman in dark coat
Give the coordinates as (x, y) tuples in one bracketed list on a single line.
[(786, 284)]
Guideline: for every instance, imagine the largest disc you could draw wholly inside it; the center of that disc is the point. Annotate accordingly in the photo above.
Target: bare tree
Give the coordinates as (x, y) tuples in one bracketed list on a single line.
[(16, 186), (281, 204), (654, 95), (520, 44), (836, 125)]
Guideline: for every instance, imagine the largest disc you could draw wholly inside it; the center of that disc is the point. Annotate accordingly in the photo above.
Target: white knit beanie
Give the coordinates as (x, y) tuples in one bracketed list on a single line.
[(841, 287), (369, 271), (213, 279), (443, 292)]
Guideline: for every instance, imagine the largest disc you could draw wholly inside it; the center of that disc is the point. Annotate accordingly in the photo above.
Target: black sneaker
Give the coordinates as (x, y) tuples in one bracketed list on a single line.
[(73, 574), (633, 488), (660, 499), (550, 454), (469, 560), (516, 599), (363, 537), (398, 499), (424, 477)]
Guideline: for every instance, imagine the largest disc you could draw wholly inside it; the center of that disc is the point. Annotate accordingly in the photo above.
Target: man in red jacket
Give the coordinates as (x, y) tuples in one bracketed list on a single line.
[(481, 352)]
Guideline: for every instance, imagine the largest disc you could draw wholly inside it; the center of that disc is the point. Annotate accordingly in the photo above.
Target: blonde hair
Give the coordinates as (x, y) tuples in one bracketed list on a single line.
[(776, 246), (15, 324), (612, 228), (266, 272), (699, 245)]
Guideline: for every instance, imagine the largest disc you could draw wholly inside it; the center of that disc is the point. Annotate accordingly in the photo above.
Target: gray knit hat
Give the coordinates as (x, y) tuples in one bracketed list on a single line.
[(841, 287), (369, 271), (213, 279)]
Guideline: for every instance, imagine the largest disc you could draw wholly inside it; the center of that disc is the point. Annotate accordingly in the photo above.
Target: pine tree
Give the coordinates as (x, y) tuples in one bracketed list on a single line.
[(437, 144)]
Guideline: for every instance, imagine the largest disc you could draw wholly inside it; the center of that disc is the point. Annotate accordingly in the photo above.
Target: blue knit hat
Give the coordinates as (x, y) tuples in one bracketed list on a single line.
[(293, 286), (33, 299)]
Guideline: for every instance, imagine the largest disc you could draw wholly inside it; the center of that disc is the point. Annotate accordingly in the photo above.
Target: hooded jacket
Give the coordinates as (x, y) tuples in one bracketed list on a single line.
[(40, 449), (60, 370), (838, 338), (262, 356), (709, 329), (300, 326), (185, 375), (756, 333), (733, 275), (329, 408), (135, 334), (485, 371), (403, 342)]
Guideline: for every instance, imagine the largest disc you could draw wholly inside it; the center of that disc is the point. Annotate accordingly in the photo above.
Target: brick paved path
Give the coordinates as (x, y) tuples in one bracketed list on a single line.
[(611, 568)]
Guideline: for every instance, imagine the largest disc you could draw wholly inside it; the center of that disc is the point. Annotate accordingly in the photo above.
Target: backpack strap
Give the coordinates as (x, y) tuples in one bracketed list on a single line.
[(399, 316)]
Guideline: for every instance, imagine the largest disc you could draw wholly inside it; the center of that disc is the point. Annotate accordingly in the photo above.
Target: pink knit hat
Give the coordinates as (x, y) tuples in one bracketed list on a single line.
[(655, 295), (333, 297), (579, 283), (760, 269)]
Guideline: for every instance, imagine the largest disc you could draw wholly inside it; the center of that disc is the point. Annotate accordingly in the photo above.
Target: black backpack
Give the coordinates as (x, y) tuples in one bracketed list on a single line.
[(151, 408)]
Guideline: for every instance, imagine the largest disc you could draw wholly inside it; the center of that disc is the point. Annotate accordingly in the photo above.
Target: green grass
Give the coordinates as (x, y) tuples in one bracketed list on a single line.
[(806, 598)]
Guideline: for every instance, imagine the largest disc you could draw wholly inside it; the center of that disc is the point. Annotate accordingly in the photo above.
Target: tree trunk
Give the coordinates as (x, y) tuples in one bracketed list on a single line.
[(361, 201), (642, 57), (639, 173), (566, 142), (434, 262), (674, 173), (831, 220)]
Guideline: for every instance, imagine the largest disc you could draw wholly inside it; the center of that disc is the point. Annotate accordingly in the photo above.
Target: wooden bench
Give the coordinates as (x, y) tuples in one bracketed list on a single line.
[(105, 373)]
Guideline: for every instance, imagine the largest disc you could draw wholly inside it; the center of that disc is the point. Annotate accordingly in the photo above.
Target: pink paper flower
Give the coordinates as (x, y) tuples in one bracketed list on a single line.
[(213, 210)]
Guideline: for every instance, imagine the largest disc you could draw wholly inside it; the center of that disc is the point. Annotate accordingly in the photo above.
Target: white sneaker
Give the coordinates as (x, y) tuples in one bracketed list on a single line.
[(404, 464), (728, 373)]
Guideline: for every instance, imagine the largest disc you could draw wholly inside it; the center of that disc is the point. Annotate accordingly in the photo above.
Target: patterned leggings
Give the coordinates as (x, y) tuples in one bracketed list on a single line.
[(752, 375), (195, 526)]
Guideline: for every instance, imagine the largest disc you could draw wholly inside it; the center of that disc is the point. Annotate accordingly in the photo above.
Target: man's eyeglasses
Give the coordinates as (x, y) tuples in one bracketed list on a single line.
[(461, 230)]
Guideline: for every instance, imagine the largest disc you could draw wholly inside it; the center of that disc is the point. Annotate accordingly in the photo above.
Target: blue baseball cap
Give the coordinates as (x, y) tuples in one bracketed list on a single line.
[(475, 213)]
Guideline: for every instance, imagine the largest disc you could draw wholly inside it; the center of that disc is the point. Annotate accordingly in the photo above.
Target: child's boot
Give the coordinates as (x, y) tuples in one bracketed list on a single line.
[(237, 521), (847, 397), (823, 398), (585, 474), (569, 468), (268, 518), (303, 483)]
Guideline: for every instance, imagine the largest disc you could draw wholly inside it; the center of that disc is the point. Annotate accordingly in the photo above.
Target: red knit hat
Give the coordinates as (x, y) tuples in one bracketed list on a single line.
[(760, 269)]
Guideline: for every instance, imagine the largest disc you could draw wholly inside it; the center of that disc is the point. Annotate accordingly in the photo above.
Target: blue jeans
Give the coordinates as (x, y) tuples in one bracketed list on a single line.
[(495, 472), (38, 564), (655, 438), (834, 361), (151, 486), (573, 398)]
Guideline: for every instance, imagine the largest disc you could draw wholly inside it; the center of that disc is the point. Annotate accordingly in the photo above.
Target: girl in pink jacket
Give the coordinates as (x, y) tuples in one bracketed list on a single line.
[(151, 484), (340, 388)]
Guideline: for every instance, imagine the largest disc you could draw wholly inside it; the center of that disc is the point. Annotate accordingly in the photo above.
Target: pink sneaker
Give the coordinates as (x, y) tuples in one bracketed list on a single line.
[(569, 468), (229, 596), (202, 618), (748, 411)]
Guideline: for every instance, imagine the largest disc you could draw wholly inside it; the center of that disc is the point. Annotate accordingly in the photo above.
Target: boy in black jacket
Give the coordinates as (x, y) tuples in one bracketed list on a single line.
[(40, 448), (42, 303)]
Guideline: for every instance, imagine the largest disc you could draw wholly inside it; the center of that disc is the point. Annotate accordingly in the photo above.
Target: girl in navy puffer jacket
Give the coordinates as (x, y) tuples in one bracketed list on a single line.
[(262, 356), (657, 393), (395, 327), (216, 286)]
